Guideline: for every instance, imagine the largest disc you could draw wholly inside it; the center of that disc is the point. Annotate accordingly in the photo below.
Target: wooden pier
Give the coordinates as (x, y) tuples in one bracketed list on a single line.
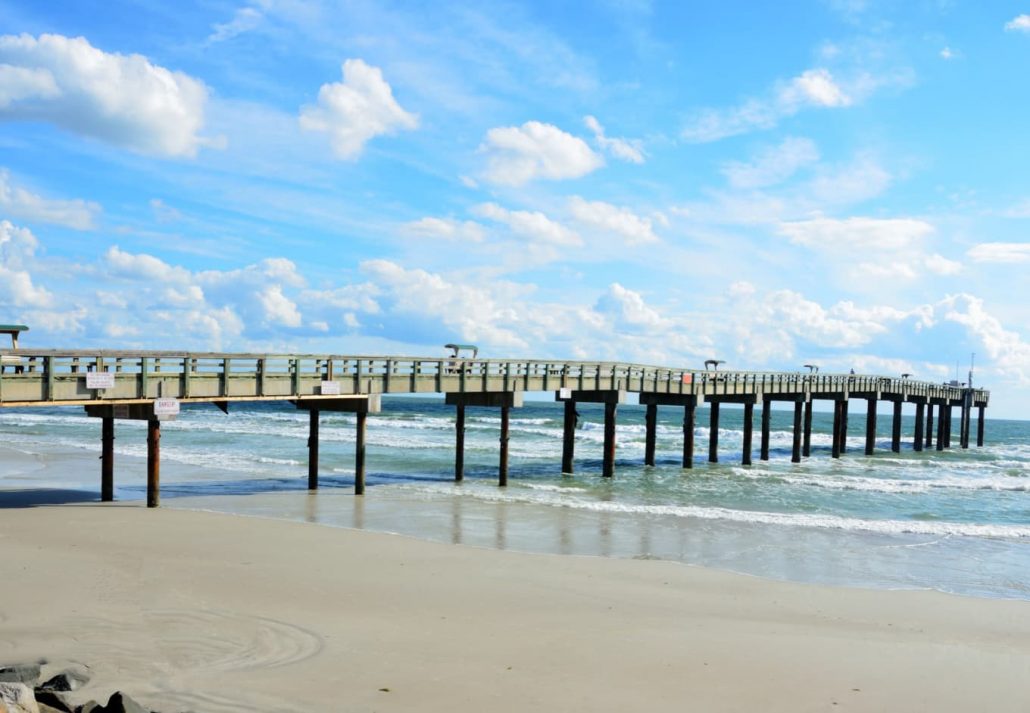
[(150, 386)]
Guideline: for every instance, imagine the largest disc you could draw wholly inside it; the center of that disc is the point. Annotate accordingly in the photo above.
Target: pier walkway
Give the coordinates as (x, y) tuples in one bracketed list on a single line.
[(150, 386)]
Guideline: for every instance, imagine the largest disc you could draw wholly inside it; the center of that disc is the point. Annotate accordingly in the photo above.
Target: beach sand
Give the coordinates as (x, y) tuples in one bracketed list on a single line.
[(208, 612)]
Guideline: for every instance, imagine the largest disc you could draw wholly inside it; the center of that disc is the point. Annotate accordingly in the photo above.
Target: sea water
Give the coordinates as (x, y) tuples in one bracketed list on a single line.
[(956, 520)]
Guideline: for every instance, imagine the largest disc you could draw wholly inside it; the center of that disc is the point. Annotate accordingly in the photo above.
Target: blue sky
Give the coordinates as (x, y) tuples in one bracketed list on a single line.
[(771, 184)]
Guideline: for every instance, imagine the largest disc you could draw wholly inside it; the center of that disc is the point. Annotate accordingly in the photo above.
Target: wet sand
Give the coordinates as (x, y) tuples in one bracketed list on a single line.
[(211, 612)]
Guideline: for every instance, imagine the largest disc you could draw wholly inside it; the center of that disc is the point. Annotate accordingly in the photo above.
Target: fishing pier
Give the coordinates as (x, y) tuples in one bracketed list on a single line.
[(151, 385)]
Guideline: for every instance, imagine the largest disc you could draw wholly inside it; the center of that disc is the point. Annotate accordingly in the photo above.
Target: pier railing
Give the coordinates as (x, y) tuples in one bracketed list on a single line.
[(42, 377)]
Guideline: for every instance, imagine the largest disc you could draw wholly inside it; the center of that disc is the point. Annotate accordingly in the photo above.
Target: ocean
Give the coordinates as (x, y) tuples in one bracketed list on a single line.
[(956, 521)]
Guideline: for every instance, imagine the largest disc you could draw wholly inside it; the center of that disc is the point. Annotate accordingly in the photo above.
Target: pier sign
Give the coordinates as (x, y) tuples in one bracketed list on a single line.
[(565, 393), (99, 380), (166, 409), (688, 378), (330, 388)]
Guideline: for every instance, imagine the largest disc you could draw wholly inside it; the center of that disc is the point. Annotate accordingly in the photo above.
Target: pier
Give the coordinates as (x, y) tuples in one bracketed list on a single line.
[(151, 386)]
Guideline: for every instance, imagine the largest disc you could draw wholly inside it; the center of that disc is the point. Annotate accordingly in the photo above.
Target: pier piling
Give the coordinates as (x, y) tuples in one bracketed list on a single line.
[(107, 460), (650, 436), (844, 426), (980, 427), (929, 424), (806, 441), (942, 420), (917, 438), (153, 463), (870, 426), (502, 474), (763, 453), (459, 443), (609, 439), (713, 432), (749, 415), (896, 428), (795, 451), (359, 453), (689, 422), (835, 448), (313, 419)]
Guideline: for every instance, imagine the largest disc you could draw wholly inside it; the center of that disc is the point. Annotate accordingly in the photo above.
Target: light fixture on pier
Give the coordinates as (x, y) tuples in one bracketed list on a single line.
[(812, 368), (713, 364)]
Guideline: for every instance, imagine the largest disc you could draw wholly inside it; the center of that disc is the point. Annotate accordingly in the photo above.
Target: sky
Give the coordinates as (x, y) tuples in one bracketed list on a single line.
[(835, 182)]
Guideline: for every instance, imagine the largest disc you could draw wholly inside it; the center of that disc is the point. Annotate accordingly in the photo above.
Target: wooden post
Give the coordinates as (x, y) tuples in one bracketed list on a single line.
[(459, 444), (766, 416), (917, 440), (835, 449), (689, 421), (568, 446), (502, 476), (947, 424), (942, 419), (749, 415), (795, 452), (359, 453), (967, 408), (153, 463), (713, 433), (313, 449), (609, 440), (896, 428), (107, 460), (929, 424), (980, 427), (843, 426), (870, 426), (806, 442), (650, 426)]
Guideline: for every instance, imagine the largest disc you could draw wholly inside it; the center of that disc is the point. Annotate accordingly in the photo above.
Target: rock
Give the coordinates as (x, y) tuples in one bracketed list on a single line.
[(17, 698), (89, 707), (52, 701), (120, 703), (67, 680), (27, 673)]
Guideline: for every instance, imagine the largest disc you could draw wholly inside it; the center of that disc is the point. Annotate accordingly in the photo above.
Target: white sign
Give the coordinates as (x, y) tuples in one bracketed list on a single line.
[(166, 407), (330, 388), (565, 393), (99, 380)]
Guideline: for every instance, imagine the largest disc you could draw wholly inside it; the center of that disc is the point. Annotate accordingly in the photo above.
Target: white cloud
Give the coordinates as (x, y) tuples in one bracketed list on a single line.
[(1020, 23), (859, 181), (940, 265), (1009, 353), (947, 53), (17, 201), (278, 309), (356, 110), (628, 310), (623, 222), (519, 154), (857, 235), (17, 248), (812, 88), (530, 224), (144, 267), (447, 228), (1000, 252), (624, 149), (773, 165), (244, 20), (121, 99)]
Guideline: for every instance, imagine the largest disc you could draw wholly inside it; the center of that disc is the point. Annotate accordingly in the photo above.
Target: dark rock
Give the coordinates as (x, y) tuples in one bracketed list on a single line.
[(89, 707), (67, 680), (53, 700), (27, 673), (121, 703)]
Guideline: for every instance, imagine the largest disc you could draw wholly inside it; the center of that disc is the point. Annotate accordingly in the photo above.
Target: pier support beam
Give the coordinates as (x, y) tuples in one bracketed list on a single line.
[(917, 438), (502, 469), (107, 460), (611, 398), (313, 419), (942, 419), (795, 451), (947, 414), (459, 443), (967, 408), (689, 422), (359, 405), (806, 441), (608, 469), (749, 417), (568, 444), (929, 424), (766, 415), (896, 428), (713, 432), (835, 448), (843, 426), (870, 425), (980, 426), (153, 463), (650, 426)]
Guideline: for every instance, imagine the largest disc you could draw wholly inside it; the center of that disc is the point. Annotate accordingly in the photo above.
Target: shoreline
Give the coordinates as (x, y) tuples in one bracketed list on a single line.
[(195, 609)]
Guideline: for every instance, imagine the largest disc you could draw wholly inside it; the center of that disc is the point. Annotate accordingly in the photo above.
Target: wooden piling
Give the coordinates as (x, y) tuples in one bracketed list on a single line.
[(608, 469), (929, 424), (835, 448), (359, 453), (459, 444), (806, 441), (946, 414), (942, 420), (766, 416), (896, 428), (153, 463), (843, 426), (107, 459), (749, 414), (980, 427), (502, 475), (568, 448), (689, 422), (967, 408), (650, 435), (713, 432), (917, 438), (870, 426), (313, 449), (795, 451)]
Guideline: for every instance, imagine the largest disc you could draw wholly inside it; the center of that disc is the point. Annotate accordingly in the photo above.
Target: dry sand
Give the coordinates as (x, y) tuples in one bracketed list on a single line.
[(190, 610)]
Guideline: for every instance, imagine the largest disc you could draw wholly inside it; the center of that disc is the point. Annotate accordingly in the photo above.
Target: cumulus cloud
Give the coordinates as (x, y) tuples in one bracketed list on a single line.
[(76, 214), (519, 154), (1008, 351), (17, 248), (623, 149), (244, 20), (623, 222), (530, 224), (448, 229), (857, 234), (356, 110), (628, 310), (1000, 252), (772, 165), (121, 99), (278, 308), (1020, 23)]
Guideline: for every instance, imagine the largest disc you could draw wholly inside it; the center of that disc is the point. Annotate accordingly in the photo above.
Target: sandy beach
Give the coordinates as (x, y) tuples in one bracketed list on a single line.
[(209, 612)]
